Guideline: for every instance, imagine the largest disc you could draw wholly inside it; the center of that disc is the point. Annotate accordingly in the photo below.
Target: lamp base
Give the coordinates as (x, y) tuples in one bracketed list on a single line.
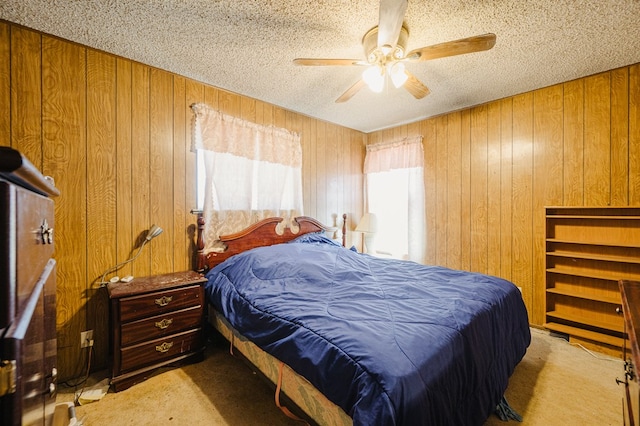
[(369, 242)]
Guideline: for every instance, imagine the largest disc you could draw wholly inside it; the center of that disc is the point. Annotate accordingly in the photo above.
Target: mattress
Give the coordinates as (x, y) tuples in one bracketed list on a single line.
[(390, 342)]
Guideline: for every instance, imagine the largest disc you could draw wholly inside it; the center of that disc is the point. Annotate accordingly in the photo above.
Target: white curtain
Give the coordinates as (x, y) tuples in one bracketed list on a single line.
[(394, 174), (251, 172)]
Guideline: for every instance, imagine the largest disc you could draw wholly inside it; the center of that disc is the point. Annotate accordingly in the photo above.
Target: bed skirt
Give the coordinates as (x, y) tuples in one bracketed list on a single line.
[(295, 387)]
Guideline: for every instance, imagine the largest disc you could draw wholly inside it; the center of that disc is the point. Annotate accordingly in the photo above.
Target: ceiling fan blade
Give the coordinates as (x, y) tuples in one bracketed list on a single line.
[(415, 86), (391, 16), (328, 62), (452, 48), (351, 91)]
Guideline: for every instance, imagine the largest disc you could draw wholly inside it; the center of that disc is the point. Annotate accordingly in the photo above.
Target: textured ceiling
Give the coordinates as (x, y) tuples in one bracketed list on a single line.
[(247, 47)]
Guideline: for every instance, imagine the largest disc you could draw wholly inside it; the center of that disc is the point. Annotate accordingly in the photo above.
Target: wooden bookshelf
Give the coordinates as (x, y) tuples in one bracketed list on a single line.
[(588, 251)]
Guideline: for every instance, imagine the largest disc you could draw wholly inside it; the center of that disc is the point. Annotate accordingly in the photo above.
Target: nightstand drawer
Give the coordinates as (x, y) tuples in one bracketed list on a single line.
[(161, 325), (135, 307), (158, 350)]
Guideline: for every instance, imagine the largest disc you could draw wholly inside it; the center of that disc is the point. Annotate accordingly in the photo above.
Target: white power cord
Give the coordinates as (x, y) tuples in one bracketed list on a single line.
[(593, 354)]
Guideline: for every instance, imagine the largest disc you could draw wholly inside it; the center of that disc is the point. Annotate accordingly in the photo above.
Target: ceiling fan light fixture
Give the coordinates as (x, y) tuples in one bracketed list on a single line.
[(374, 77), (397, 74), (385, 52)]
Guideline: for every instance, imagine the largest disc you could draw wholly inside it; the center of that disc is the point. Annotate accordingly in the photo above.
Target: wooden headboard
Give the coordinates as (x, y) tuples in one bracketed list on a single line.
[(259, 234)]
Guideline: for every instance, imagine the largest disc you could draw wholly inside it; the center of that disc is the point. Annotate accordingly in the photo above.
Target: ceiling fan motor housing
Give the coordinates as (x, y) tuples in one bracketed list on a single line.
[(377, 54)]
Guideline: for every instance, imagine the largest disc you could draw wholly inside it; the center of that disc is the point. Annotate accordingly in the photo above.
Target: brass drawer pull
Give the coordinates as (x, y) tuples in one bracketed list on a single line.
[(164, 300), (8, 379), (164, 347), (46, 233), (164, 323)]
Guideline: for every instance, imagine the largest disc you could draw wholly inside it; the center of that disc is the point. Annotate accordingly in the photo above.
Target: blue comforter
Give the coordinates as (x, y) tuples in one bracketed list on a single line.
[(391, 342)]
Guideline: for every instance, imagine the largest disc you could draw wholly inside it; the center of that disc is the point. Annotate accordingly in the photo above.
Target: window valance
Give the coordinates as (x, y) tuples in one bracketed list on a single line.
[(222, 133), (401, 154)]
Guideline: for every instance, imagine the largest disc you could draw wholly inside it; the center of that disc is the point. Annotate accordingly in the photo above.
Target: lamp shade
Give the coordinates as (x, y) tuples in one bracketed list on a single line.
[(398, 74), (368, 223), (154, 231), (374, 77)]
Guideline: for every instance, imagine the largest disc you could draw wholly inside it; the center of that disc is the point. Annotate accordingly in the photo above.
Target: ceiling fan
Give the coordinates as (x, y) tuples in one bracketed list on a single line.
[(384, 46)]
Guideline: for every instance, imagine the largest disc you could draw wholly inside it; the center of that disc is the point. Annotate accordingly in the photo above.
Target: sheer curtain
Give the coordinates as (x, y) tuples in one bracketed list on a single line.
[(394, 173), (251, 172)]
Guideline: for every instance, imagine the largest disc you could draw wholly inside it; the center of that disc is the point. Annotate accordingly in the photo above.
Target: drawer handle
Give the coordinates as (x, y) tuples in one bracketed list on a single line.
[(164, 300), (46, 233), (164, 323), (164, 347)]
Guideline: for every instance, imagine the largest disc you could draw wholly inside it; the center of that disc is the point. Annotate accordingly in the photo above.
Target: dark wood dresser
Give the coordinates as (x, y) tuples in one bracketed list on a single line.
[(27, 293), (155, 321), (630, 291)]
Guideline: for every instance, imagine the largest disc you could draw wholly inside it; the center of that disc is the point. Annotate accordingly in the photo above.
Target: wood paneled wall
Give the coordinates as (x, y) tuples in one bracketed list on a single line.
[(491, 169), (115, 136)]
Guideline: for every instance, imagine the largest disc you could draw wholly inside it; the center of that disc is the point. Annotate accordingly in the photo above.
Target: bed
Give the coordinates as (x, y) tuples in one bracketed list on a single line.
[(354, 339)]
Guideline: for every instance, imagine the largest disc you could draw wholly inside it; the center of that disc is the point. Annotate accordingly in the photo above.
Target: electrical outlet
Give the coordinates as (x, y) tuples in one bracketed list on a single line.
[(86, 338)]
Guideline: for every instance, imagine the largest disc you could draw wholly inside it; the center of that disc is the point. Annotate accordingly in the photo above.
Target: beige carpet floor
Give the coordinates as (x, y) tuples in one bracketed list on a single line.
[(555, 384)]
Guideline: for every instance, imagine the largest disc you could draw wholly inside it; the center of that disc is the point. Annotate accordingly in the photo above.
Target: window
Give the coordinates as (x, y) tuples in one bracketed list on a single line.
[(395, 194), (250, 172)]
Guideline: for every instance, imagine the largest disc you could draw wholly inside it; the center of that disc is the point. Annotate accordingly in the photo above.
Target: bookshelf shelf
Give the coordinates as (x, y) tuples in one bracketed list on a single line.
[(588, 251)]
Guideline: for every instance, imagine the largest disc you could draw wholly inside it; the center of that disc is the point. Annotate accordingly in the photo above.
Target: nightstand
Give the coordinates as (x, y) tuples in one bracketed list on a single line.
[(155, 321)]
